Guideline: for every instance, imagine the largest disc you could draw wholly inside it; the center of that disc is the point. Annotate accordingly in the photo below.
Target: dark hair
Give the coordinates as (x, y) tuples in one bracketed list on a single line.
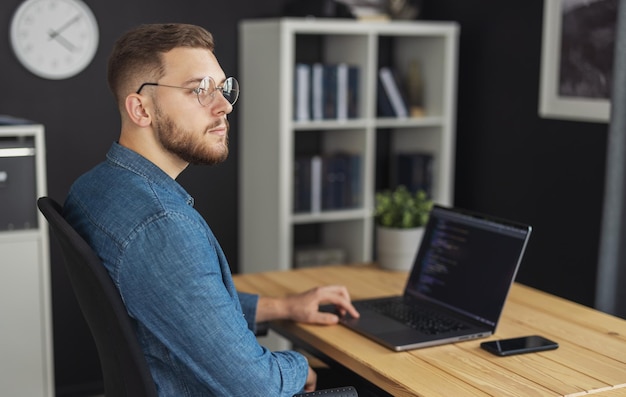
[(138, 53)]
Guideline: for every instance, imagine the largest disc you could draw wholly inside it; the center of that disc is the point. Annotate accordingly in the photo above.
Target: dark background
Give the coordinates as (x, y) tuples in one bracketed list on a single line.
[(509, 162)]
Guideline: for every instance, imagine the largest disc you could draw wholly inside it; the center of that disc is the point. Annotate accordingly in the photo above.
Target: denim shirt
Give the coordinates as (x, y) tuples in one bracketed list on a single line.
[(195, 329)]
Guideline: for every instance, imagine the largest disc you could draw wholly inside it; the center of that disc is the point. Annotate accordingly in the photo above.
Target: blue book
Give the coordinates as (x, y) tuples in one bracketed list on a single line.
[(330, 92), (353, 91), (341, 181), (414, 170), (302, 184), (355, 182), (329, 183), (392, 90), (384, 108)]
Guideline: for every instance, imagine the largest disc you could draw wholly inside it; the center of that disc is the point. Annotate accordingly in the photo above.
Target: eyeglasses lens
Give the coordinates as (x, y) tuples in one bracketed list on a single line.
[(207, 90)]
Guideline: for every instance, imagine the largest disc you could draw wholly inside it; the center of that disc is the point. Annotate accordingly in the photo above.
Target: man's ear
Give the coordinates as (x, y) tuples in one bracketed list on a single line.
[(136, 110)]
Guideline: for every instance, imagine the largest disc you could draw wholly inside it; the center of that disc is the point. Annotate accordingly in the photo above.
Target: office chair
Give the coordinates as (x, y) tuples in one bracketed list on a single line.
[(124, 367)]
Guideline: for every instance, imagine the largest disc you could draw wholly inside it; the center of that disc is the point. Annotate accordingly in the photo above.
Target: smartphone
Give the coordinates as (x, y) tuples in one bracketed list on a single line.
[(525, 344)]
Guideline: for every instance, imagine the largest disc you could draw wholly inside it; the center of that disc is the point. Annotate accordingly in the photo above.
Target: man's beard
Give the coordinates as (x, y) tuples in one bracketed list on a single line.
[(186, 144)]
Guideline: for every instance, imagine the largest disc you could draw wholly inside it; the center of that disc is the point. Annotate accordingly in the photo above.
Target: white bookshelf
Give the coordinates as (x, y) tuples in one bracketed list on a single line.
[(26, 351), (268, 135)]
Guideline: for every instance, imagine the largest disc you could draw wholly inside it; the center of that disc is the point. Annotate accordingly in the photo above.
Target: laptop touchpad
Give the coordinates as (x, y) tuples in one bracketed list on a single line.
[(374, 322)]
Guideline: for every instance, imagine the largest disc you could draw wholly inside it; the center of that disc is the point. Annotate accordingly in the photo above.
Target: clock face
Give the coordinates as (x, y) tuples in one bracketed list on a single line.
[(54, 39)]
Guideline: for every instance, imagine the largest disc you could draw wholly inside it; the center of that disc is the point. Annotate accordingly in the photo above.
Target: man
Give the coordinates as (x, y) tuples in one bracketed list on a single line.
[(196, 331)]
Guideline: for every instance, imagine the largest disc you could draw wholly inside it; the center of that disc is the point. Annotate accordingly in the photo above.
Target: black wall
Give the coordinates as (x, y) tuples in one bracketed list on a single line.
[(510, 162)]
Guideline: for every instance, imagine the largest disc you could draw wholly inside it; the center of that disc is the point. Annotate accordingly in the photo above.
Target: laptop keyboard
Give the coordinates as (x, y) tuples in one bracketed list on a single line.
[(420, 319)]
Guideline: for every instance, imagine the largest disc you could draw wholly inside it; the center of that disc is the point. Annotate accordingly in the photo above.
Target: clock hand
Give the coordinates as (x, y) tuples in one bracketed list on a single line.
[(62, 40), (53, 33), (56, 34)]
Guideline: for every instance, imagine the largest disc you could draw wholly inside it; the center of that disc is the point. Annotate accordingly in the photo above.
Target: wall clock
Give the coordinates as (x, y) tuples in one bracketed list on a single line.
[(54, 39)]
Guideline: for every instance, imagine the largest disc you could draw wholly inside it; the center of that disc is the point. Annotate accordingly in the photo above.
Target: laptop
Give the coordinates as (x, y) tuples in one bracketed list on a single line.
[(457, 287)]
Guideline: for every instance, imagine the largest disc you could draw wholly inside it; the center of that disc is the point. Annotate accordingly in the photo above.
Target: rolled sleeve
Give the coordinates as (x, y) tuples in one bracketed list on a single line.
[(249, 303)]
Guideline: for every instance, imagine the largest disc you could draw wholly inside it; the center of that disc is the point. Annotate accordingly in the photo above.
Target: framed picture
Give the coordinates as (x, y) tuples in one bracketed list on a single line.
[(577, 59)]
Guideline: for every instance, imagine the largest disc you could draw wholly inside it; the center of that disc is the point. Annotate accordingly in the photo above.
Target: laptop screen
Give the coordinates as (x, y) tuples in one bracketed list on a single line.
[(467, 262)]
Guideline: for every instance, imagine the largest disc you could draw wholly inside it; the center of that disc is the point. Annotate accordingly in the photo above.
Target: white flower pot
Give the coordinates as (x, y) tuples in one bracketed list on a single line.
[(397, 248)]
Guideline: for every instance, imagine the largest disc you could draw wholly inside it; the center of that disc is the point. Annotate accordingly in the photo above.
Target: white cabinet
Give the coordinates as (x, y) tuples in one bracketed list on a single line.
[(270, 140), (26, 361)]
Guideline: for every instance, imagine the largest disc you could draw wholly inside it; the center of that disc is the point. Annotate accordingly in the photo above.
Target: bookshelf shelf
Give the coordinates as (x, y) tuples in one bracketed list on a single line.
[(408, 122), (273, 140), (329, 124), (330, 216)]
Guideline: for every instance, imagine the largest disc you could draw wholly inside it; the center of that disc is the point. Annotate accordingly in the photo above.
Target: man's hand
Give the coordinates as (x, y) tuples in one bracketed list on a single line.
[(304, 307), (311, 381)]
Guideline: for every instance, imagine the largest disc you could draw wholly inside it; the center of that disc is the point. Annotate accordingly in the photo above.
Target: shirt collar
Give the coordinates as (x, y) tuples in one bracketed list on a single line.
[(126, 158)]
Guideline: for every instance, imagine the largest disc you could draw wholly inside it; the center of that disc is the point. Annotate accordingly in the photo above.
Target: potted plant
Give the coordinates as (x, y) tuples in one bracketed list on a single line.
[(400, 217)]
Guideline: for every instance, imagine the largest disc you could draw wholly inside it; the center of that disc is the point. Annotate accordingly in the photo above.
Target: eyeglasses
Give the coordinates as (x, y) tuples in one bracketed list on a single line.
[(207, 88)]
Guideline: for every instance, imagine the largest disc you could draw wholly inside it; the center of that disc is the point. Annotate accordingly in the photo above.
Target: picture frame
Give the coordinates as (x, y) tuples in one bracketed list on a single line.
[(563, 93)]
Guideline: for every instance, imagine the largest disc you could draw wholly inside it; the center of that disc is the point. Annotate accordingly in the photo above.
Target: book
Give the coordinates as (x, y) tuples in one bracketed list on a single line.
[(384, 107), (393, 93), (327, 182), (334, 91), (317, 88), (353, 91), (356, 182), (341, 187), (329, 92), (342, 91), (302, 94), (415, 171), (302, 184), (316, 184), (335, 182), (318, 256)]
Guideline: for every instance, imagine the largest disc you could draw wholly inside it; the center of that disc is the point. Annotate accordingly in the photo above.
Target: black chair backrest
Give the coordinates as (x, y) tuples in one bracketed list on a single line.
[(124, 367)]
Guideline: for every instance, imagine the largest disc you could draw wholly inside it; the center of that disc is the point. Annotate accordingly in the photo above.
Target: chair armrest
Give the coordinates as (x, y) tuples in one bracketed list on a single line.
[(262, 328)]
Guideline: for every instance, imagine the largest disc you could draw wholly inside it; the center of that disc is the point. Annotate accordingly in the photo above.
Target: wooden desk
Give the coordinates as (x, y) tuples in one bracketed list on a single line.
[(591, 358)]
